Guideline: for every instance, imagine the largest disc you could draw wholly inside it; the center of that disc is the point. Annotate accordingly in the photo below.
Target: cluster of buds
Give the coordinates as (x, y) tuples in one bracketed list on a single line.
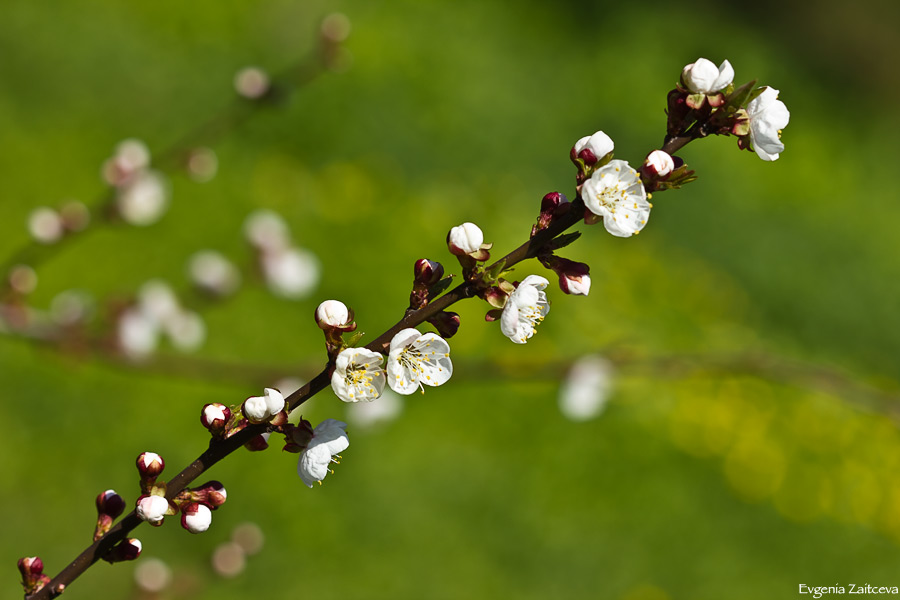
[(109, 506), (142, 194), (32, 570), (706, 102), (197, 505)]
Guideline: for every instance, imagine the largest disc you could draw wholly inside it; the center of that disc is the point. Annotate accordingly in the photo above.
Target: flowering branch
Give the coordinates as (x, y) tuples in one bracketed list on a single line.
[(607, 190)]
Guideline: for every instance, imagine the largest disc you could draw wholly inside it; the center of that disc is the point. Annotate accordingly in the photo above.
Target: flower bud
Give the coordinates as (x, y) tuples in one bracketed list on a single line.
[(446, 323), (32, 570), (702, 76), (215, 416), (211, 493), (152, 509), (465, 239), (196, 518), (128, 549), (427, 272), (258, 443), (150, 464), (574, 277), (657, 165), (592, 148), (255, 409), (110, 503), (332, 314)]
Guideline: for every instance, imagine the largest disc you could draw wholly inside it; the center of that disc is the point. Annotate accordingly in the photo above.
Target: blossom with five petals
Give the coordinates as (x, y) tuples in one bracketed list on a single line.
[(329, 440), (525, 309), (358, 375), (768, 116), (616, 193), (417, 360)]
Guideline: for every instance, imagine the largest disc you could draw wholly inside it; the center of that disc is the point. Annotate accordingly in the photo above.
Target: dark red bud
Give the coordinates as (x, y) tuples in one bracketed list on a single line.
[(446, 323), (427, 272), (110, 503)]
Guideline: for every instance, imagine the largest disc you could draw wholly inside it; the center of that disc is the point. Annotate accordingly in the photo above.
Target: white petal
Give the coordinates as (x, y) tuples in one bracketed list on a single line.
[(274, 401), (332, 434), (313, 464), (726, 76), (404, 338)]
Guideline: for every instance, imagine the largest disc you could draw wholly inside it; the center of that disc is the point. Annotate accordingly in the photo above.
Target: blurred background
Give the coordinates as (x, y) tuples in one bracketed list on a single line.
[(717, 419)]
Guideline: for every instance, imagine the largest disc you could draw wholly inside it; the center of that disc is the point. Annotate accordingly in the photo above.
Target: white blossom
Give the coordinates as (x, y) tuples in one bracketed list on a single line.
[(329, 440), (358, 375), (615, 192), (599, 144), (768, 116), (702, 77), (291, 272), (587, 387), (332, 313), (186, 330), (196, 518), (659, 163), (143, 199), (45, 225), (525, 309), (416, 360), (262, 408), (152, 509), (466, 238), (213, 273), (267, 231), (138, 334), (251, 82)]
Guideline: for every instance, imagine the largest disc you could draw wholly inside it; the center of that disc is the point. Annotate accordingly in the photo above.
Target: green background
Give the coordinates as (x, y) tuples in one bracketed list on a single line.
[(718, 477)]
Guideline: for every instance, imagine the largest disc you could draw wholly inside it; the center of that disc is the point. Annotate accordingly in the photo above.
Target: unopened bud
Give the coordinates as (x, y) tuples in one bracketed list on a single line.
[(196, 518), (215, 416), (110, 503), (152, 509), (552, 200), (258, 443), (592, 148), (32, 570), (128, 549), (427, 272), (574, 277), (446, 323), (215, 494), (150, 464), (465, 239), (259, 409), (702, 76), (658, 165), (332, 314)]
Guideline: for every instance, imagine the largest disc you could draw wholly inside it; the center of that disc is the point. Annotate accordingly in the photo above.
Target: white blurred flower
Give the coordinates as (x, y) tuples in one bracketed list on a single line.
[(45, 225), (249, 536), (131, 156), (186, 330), (615, 192), (599, 144), (70, 307), (144, 199), (465, 239), (291, 273), (525, 309), (267, 231), (251, 82), (213, 273), (23, 279), (768, 116), (417, 360), (152, 575), (157, 301), (329, 440), (587, 388), (138, 334), (228, 560), (358, 375), (202, 164), (702, 77), (367, 414)]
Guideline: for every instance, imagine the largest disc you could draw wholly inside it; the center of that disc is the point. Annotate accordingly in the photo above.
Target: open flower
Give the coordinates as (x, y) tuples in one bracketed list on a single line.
[(417, 360), (702, 77), (527, 306), (768, 116), (358, 375), (329, 440), (615, 192)]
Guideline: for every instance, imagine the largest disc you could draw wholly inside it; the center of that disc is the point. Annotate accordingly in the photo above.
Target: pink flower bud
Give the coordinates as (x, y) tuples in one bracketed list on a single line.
[(150, 464), (658, 164), (332, 314), (215, 416), (30, 566), (196, 518), (551, 201), (427, 272), (152, 509), (446, 322), (110, 503), (128, 549), (465, 239)]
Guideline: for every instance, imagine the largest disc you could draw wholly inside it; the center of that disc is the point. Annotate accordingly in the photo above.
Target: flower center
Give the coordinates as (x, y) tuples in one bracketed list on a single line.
[(357, 378)]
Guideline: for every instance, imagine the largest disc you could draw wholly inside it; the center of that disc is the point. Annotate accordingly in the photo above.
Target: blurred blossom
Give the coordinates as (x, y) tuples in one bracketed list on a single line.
[(71, 307), (143, 199), (138, 334), (213, 273), (131, 156), (75, 215), (202, 164), (335, 27), (45, 225), (157, 300), (291, 273), (228, 560), (251, 82), (152, 575), (22, 279), (186, 330), (368, 414), (267, 231), (249, 537), (586, 390), (289, 385)]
